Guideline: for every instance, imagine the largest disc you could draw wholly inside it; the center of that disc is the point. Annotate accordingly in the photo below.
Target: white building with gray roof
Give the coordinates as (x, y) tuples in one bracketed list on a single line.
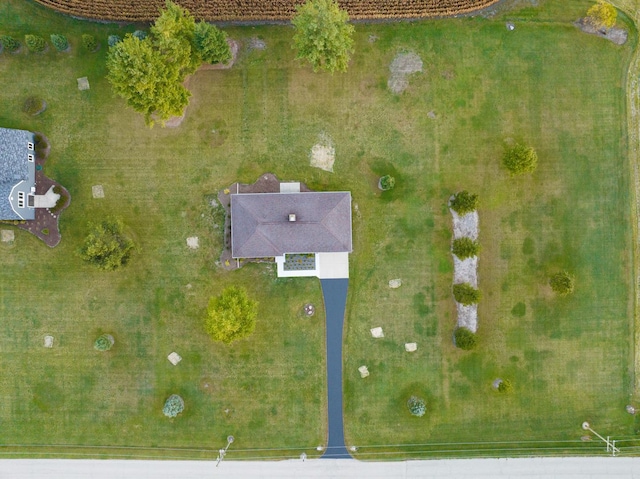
[(18, 199)]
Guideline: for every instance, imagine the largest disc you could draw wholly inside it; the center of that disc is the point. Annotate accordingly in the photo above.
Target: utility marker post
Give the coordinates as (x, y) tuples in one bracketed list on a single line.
[(611, 445), (223, 452)]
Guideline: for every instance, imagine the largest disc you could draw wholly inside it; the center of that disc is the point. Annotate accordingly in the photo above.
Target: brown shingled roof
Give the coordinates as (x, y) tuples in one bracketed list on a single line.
[(260, 225)]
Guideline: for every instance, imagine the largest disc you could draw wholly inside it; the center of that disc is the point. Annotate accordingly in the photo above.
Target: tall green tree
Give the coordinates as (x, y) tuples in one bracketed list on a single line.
[(323, 35), (231, 316), (106, 245), (149, 72)]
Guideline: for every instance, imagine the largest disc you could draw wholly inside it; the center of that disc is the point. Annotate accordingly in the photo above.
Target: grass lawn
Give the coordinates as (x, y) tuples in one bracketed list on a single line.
[(569, 359)]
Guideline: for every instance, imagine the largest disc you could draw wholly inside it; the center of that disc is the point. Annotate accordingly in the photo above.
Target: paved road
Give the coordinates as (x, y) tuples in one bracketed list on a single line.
[(335, 301), (551, 468)]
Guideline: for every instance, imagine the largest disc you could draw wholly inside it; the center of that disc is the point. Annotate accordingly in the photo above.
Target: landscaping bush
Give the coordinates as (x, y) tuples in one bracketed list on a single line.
[(113, 39), (464, 339), (231, 316), (466, 294), (35, 43), (33, 106), (505, 386), (89, 42), (562, 283), (9, 43), (103, 343), (140, 34), (417, 406), (107, 246), (464, 202), (64, 197), (386, 182), (173, 406), (60, 42), (520, 159), (465, 248)]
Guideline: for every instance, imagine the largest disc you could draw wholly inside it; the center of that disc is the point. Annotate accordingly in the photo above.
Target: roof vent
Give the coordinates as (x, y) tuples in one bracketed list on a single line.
[(292, 217)]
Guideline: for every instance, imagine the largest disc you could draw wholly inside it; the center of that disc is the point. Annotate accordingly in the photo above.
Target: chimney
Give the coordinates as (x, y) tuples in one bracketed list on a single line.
[(292, 217)]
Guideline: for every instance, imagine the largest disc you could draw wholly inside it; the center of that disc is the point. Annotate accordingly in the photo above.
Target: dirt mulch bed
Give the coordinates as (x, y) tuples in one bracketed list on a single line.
[(616, 35)]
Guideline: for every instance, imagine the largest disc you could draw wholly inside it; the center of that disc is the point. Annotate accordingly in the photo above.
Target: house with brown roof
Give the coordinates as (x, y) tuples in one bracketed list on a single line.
[(307, 233)]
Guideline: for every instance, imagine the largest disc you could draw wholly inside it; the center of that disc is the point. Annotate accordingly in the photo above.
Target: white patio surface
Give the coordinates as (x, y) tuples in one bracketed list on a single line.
[(328, 266)]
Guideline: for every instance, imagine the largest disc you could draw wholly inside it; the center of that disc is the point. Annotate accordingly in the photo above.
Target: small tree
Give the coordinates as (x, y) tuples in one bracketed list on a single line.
[(173, 406), (417, 406), (104, 342), (231, 316), (520, 159), (323, 35), (89, 42), (9, 43), (465, 247), (113, 39), (464, 202), (464, 339), (466, 294), (107, 246), (602, 15), (562, 283), (59, 42), (211, 43), (386, 182), (35, 43), (505, 386)]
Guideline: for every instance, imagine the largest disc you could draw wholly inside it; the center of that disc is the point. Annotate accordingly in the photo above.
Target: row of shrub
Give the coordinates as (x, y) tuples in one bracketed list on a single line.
[(38, 44), (465, 247)]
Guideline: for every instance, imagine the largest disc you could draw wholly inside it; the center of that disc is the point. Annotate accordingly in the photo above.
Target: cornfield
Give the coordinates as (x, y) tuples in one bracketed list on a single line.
[(260, 10)]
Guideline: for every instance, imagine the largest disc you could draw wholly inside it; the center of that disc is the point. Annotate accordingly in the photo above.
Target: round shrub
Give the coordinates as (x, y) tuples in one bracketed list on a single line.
[(464, 202), (520, 159), (386, 182), (33, 106), (104, 342), (464, 339), (113, 40), (89, 42), (505, 386), (9, 43), (107, 246), (417, 406), (35, 43), (173, 406), (562, 283), (60, 42), (465, 248), (140, 34), (466, 294)]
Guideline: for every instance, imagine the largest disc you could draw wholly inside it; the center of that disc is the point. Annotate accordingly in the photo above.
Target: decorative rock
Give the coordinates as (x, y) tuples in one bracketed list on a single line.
[(432, 115), (309, 309), (174, 358), (48, 341), (377, 332), (83, 83), (97, 191), (364, 372), (7, 236), (496, 383), (395, 283), (193, 242), (510, 26), (410, 347), (630, 409)]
